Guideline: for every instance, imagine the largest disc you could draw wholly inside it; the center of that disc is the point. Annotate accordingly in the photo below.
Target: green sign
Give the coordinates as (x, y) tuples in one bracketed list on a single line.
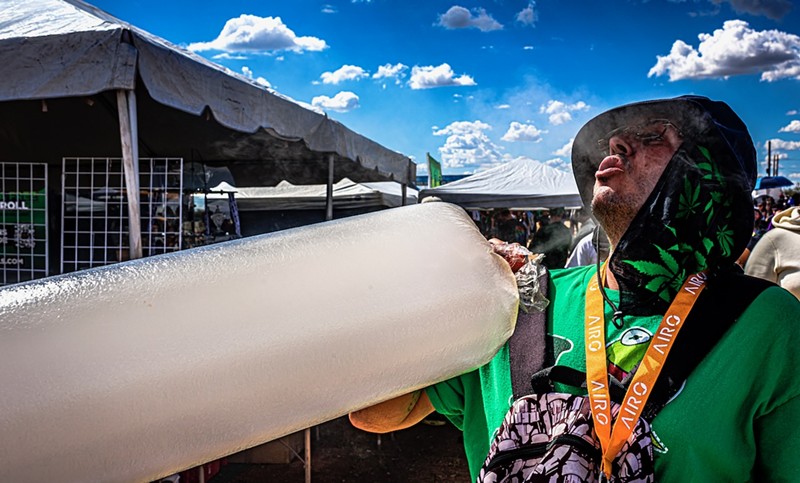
[(23, 236)]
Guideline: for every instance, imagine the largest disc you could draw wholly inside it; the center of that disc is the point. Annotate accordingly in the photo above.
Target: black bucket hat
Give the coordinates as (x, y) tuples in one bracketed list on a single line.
[(709, 123)]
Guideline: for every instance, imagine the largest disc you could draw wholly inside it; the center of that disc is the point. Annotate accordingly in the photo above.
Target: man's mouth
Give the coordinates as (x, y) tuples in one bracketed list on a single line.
[(610, 166)]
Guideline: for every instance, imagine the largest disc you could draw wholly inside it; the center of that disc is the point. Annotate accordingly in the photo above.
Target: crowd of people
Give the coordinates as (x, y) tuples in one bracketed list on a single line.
[(566, 237), (574, 240)]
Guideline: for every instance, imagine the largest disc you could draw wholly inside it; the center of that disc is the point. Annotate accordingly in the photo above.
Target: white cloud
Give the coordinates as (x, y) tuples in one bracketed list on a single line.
[(780, 144), (462, 127), (248, 72), (793, 126), (528, 15), (559, 112), (345, 72), (429, 76), (342, 102), (329, 9), (527, 47), (792, 112), (518, 132), (503, 106), (735, 49), (565, 150), (389, 71), (794, 177), (227, 56), (774, 9), (250, 33), (468, 145), (458, 17)]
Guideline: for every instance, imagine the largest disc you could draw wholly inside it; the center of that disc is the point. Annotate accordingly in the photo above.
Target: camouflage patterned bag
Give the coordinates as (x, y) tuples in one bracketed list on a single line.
[(550, 438)]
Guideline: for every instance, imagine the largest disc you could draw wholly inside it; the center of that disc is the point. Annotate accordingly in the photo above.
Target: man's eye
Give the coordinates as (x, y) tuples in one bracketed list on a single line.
[(648, 139)]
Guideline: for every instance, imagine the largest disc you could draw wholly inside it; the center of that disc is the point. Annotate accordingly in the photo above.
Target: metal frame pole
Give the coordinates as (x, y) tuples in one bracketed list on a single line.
[(128, 128)]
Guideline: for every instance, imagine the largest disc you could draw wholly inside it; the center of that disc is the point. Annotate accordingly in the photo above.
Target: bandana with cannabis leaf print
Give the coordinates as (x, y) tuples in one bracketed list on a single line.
[(693, 220)]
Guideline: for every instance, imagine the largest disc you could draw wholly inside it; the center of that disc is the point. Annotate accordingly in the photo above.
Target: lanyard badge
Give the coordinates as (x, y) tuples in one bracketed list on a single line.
[(613, 434)]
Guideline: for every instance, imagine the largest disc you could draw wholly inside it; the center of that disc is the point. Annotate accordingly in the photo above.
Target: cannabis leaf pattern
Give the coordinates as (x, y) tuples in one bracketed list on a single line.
[(689, 201), (665, 273)]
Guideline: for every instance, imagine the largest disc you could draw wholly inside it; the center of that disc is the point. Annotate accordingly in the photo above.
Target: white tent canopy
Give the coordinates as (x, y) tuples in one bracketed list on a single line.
[(287, 196), (60, 49), (519, 184)]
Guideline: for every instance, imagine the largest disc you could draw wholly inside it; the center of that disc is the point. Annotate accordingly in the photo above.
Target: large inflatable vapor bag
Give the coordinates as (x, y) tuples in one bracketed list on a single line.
[(134, 371)]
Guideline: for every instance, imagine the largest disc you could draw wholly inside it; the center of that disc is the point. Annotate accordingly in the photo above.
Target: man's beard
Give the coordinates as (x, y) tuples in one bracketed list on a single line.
[(614, 212)]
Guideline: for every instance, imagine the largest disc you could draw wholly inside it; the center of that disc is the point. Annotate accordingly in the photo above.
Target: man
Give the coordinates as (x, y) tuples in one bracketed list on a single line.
[(776, 256), (585, 251), (553, 239), (509, 228), (669, 181)]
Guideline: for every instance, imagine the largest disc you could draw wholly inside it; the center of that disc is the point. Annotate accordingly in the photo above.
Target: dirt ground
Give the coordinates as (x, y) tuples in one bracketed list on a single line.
[(423, 453)]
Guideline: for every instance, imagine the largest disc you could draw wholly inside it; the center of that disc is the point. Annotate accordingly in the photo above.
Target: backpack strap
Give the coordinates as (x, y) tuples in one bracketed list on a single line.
[(527, 345), (726, 296), (542, 381)]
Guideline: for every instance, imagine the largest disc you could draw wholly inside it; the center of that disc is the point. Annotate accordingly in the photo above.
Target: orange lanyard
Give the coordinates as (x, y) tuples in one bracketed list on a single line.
[(613, 435)]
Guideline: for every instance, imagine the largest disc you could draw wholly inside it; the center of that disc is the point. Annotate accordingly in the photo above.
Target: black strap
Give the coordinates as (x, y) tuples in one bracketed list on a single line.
[(526, 347), (725, 297), (542, 381)]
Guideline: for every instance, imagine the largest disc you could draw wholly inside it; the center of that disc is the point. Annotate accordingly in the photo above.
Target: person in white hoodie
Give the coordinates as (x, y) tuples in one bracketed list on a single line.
[(776, 257)]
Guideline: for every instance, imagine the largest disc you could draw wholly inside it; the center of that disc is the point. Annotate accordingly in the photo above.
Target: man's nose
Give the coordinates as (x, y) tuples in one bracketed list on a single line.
[(618, 145)]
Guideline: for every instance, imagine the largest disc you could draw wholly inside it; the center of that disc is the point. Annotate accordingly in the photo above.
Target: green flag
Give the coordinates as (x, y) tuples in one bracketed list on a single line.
[(434, 172)]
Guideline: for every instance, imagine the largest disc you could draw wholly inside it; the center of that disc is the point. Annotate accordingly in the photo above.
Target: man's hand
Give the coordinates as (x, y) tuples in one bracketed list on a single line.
[(399, 413), (515, 254)]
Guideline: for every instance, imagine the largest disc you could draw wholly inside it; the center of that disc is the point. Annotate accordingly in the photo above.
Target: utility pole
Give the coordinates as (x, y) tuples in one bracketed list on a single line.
[(769, 157), (775, 164)]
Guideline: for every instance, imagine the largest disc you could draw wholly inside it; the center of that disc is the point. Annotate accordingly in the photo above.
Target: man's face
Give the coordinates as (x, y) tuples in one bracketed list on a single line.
[(636, 156)]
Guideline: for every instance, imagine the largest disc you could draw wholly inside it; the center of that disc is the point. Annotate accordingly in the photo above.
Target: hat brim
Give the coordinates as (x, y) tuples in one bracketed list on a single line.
[(686, 114)]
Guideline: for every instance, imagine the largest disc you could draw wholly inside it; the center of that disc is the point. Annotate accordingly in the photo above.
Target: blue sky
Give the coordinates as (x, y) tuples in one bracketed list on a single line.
[(477, 83)]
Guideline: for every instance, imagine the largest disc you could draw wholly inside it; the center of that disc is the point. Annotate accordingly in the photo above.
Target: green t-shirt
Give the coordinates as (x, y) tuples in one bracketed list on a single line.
[(736, 419)]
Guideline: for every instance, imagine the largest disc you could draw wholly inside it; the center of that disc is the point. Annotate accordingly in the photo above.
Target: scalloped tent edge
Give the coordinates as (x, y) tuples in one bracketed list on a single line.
[(54, 49)]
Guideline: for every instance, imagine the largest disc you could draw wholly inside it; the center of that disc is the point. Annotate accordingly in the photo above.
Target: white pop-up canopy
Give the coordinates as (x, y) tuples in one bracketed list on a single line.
[(287, 196), (521, 184)]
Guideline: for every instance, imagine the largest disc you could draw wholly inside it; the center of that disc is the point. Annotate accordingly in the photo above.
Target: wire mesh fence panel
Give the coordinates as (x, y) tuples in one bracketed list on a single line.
[(23, 222), (94, 229)]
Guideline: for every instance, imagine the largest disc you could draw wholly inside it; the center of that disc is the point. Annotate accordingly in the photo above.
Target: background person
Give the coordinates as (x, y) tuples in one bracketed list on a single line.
[(776, 256), (589, 249), (553, 239), (509, 228)]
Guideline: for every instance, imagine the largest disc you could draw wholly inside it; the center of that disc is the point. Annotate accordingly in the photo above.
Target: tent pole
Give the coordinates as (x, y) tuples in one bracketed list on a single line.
[(307, 461), (403, 194), (133, 115), (130, 162), (329, 193)]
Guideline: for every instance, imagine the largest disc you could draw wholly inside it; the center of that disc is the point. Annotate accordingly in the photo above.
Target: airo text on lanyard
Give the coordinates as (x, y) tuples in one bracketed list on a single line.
[(614, 434)]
